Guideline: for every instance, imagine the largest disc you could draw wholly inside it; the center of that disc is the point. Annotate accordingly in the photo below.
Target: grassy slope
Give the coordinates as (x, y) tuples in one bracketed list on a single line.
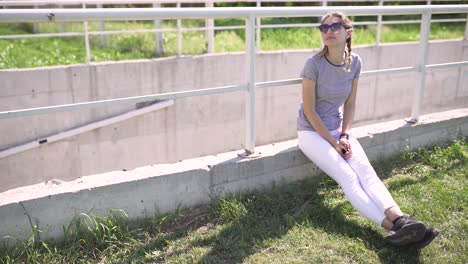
[(306, 222)]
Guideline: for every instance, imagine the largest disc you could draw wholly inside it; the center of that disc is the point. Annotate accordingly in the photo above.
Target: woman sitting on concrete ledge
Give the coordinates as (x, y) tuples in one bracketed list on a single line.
[(329, 84)]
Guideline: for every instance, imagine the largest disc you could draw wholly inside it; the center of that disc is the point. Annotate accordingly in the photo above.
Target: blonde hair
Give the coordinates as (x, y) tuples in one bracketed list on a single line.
[(347, 24)]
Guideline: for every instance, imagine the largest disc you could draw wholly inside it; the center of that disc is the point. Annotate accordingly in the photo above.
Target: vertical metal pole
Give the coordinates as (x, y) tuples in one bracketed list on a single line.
[(158, 36), (250, 95), (179, 34), (35, 25), (259, 29), (209, 24), (324, 3), (423, 50), (379, 26), (466, 27), (86, 36), (102, 27), (62, 25)]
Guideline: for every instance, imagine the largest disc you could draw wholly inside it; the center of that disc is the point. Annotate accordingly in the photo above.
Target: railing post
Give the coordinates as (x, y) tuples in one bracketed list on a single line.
[(379, 26), (250, 94), (86, 37), (259, 29), (209, 24), (324, 3), (35, 25), (102, 27), (423, 51), (179, 34), (158, 35), (62, 25), (466, 27)]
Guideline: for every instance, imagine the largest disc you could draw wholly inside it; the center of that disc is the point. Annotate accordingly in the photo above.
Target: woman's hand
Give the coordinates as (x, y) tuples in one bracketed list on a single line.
[(343, 147)]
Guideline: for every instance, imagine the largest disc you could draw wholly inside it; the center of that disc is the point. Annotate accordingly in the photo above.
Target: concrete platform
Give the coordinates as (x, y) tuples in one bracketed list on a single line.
[(161, 188)]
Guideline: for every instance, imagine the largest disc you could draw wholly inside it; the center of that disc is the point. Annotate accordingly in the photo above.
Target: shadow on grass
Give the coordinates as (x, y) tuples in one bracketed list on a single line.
[(271, 215), (385, 172)]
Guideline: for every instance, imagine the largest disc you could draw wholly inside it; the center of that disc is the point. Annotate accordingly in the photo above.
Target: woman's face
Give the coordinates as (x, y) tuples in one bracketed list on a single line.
[(334, 38)]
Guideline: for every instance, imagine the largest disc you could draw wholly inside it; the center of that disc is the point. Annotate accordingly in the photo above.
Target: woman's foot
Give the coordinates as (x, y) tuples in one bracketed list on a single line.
[(406, 230), (430, 235)]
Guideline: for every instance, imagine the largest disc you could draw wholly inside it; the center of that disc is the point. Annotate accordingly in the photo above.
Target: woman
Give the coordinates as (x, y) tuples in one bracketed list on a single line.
[(329, 83)]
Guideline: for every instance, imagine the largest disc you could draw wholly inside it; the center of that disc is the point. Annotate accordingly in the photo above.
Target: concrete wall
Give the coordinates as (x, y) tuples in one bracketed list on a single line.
[(166, 187), (197, 126)]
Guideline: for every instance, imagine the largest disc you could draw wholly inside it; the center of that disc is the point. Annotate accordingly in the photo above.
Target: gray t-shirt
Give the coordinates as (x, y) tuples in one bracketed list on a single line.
[(333, 86)]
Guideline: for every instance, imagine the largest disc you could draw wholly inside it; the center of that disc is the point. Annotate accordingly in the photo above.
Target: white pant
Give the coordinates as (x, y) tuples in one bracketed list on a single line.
[(356, 177)]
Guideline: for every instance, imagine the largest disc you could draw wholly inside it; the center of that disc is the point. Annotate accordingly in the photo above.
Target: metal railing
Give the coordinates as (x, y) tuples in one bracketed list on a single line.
[(250, 15), (209, 27)]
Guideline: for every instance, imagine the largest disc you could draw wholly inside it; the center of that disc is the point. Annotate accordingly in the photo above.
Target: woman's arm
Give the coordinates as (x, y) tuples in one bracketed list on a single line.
[(350, 106), (348, 115), (308, 99)]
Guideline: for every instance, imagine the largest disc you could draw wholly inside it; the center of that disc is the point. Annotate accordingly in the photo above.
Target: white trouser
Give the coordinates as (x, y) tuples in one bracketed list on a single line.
[(355, 175)]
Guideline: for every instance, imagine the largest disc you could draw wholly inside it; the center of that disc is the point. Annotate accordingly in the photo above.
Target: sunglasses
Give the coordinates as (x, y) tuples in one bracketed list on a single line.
[(334, 27)]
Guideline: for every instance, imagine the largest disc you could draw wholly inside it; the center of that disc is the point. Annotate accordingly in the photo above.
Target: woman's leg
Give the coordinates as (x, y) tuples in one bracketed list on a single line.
[(319, 151), (371, 183), (404, 228)]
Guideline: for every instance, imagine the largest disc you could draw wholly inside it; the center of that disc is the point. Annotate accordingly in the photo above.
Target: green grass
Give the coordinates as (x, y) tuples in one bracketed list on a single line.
[(24, 53), (304, 222)]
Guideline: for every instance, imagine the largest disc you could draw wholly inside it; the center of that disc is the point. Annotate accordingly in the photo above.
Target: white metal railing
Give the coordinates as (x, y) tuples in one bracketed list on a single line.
[(209, 28), (116, 2), (250, 15)]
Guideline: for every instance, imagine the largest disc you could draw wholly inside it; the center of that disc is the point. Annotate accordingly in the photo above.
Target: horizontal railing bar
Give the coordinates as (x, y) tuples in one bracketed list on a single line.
[(447, 65), (161, 30), (43, 35), (215, 28), (216, 90), (289, 25), (363, 74), (121, 14), (389, 71), (109, 2), (229, 27), (311, 24), (401, 22), (278, 83), (115, 32), (120, 101), (449, 20), (398, 22)]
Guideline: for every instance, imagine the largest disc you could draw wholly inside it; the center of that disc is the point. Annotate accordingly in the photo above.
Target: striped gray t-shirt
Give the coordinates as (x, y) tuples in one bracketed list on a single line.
[(333, 86)]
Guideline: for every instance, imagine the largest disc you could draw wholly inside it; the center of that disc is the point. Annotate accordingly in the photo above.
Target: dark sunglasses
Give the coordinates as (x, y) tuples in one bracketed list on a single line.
[(334, 27)]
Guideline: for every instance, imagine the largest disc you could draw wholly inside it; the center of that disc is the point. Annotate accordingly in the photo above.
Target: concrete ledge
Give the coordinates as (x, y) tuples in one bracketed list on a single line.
[(166, 187)]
